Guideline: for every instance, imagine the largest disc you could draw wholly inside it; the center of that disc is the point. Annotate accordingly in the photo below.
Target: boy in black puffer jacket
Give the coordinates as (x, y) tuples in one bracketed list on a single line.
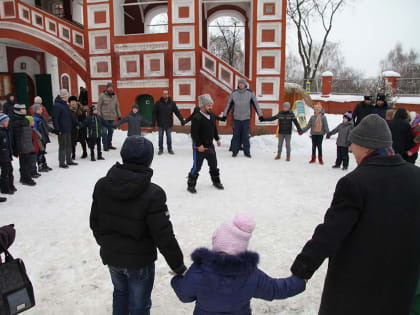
[(94, 123), (130, 220), (6, 179), (286, 118), (22, 143)]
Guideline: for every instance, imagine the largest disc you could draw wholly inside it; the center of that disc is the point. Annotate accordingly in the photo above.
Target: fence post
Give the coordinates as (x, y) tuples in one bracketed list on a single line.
[(392, 77), (326, 83)]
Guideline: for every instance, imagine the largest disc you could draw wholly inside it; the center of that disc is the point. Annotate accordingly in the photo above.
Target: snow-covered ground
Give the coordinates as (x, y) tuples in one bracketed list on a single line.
[(287, 199)]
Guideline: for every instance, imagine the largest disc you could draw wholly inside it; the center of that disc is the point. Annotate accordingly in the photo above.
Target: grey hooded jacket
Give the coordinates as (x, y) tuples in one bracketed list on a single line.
[(241, 101), (135, 122), (343, 129)]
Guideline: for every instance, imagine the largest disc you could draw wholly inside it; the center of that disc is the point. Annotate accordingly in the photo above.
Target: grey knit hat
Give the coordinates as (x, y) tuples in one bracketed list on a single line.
[(204, 99), (64, 93), (35, 107), (286, 104), (243, 81), (18, 107), (372, 133)]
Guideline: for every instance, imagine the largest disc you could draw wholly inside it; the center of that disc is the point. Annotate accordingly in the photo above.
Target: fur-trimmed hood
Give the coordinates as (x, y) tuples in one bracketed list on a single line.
[(223, 264)]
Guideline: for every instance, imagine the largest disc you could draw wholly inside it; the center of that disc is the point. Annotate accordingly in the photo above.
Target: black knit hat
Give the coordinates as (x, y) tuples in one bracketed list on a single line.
[(381, 97), (137, 150), (368, 97), (72, 98), (136, 106)]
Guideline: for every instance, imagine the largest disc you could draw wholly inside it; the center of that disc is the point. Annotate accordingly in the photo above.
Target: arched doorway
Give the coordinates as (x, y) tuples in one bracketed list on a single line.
[(146, 103)]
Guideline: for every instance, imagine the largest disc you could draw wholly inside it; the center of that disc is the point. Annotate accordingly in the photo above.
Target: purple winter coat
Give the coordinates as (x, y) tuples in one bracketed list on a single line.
[(225, 284)]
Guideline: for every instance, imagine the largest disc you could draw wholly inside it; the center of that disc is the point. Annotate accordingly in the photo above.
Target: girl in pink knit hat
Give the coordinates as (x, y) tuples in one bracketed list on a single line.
[(225, 279)]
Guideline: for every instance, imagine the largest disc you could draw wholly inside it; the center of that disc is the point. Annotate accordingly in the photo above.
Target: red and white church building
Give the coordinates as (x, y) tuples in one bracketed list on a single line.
[(46, 45)]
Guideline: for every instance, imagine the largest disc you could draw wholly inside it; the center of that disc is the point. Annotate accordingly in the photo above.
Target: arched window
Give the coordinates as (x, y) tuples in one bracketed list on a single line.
[(226, 38), (66, 82), (156, 20)]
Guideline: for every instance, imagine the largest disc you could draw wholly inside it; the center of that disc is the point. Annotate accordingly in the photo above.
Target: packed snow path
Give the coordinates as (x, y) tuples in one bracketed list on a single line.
[(287, 199)]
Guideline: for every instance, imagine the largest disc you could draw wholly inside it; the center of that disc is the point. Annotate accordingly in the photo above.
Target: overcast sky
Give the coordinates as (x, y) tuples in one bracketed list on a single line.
[(369, 29)]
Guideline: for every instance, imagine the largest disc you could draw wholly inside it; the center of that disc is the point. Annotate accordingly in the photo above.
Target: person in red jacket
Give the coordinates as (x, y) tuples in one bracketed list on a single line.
[(38, 100), (415, 125)]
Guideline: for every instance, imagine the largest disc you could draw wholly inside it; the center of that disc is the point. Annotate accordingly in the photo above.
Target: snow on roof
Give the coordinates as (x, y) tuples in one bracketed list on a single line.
[(391, 74), (327, 74), (337, 98), (407, 100)]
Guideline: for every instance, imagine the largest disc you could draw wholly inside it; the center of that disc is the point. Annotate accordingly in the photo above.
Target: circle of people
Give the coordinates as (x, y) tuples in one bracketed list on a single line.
[(370, 233)]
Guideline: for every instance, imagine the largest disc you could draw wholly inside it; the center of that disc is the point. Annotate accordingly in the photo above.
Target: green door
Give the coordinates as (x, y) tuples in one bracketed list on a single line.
[(21, 87), (146, 104), (44, 89)]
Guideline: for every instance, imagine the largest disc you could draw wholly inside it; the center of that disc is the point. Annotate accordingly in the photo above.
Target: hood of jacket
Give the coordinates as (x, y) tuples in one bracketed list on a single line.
[(127, 181), (8, 96), (401, 114), (58, 99)]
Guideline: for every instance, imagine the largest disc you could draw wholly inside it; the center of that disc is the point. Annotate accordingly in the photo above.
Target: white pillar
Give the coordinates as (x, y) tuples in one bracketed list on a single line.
[(52, 68)]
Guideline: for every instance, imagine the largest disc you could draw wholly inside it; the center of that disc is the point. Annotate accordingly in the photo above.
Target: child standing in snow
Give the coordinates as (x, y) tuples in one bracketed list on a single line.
[(135, 122), (94, 123), (225, 279), (343, 140), (319, 127), (41, 125), (286, 118), (6, 179), (38, 147)]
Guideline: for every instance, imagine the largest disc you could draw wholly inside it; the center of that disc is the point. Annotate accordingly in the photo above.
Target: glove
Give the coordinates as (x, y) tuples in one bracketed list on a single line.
[(261, 118), (328, 136), (224, 118), (119, 118)]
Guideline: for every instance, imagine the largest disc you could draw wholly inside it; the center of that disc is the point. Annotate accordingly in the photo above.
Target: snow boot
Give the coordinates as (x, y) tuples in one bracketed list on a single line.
[(35, 175), (2, 199), (170, 151), (288, 158), (100, 157), (277, 157), (192, 182), (336, 166), (234, 154), (345, 168), (29, 182), (84, 155), (248, 155), (160, 152), (320, 160), (14, 189), (313, 159), (217, 183), (111, 147), (42, 168)]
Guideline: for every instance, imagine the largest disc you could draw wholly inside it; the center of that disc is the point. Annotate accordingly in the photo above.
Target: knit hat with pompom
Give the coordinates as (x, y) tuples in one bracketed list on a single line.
[(233, 237)]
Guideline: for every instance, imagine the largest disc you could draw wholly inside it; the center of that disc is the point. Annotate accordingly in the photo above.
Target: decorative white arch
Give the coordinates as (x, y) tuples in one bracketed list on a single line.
[(153, 13)]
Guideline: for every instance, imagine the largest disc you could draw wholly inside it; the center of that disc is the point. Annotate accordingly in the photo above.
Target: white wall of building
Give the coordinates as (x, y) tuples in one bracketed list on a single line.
[(77, 12), (52, 68), (3, 58), (119, 28)]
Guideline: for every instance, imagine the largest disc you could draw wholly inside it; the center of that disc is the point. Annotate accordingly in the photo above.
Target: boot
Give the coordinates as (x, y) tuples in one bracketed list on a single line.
[(320, 160), (336, 166), (13, 188), (192, 182), (170, 151), (160, 152), (288, 158), (100, 156), (2, 199), (73, 156), (313, 159), (47, 167), (29, 182), (84, 155), (217, 183), (42, 169), (278, 156), (35, 175)]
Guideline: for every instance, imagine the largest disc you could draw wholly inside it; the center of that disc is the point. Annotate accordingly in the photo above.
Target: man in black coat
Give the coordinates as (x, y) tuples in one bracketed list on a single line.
[(83, 96), (203, 132), (362, 109), (6, 157), (63, 121), (163, 114), (8, 106), (371, 232), (402, 135), (130, 219)]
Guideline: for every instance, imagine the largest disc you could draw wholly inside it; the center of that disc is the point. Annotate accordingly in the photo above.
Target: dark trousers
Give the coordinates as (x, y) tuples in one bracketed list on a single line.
[(25, 167), (6, 178), (33, 158), (41, 158), (132, 290), (107, 133), (199, 157), (241, 136), (64, 148), (317, 144), (342, 157), (73, 149), (95, 142), (168, 132)]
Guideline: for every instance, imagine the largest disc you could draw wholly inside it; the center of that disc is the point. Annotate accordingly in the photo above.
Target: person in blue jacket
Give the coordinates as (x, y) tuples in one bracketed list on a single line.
[(225, 279), (381, 105)]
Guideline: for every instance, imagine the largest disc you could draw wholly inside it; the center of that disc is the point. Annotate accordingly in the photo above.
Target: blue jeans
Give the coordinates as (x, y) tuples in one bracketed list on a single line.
[(168, 138), (107, 133), (241, 136), (132, 290)]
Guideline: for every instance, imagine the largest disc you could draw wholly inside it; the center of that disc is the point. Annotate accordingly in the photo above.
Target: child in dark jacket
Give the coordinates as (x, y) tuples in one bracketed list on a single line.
[(286, 118), (6, 178), (38, 147), (135, 122), (224, 280), (22, 143), (94, 123), (41, 125), (343, 140)]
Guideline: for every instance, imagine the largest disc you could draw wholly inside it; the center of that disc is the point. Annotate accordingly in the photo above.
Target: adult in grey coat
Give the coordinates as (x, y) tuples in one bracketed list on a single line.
[(241, 102), (135, 122), (109, 108), (318, 125)]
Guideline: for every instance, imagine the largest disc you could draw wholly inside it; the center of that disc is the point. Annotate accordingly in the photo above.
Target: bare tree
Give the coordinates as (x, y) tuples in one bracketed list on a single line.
[(302, 13), (226, 42), (405, 63)]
